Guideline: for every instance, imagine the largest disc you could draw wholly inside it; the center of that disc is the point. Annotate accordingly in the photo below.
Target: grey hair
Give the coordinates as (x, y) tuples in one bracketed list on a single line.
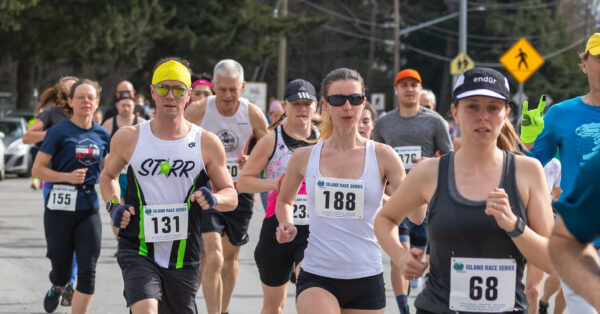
[(229, 68), (429, 94)]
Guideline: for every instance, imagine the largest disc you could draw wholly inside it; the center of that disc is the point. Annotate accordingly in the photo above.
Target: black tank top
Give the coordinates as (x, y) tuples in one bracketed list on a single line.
[(116, 127), (458, 227)]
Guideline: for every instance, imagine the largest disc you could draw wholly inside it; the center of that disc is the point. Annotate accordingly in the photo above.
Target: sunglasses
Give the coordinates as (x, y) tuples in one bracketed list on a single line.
[(163, 90), (340, 100)]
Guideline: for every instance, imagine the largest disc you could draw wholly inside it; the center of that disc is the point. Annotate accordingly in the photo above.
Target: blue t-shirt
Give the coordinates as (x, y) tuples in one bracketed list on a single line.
[(573, 128), (73, 148), (579, 209)]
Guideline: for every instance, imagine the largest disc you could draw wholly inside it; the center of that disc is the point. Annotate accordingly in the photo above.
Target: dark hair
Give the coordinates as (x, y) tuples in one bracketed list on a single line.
[(56, 96), (341, 74), (167, 59), (203, 76), (584, 55), (369, 108)]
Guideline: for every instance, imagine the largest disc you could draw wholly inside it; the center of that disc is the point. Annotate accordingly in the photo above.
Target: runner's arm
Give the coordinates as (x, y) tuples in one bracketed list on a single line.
[(41, 171), (284, 208), (577, 263), (195, 112), (249, 182), (35, 133), (258, 121), (108, 124), (213, 155), (120, 153)]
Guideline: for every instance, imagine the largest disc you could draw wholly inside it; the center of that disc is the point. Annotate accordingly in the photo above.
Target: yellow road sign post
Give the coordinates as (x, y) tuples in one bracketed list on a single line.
[(461, 63), (522, 60)]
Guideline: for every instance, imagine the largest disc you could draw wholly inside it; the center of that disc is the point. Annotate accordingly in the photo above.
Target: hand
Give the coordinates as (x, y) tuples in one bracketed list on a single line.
[(497, 205), (77, 176), (412, 265), (242, 161), (286, 232), (205, 198), (121, 215), (532, 123)]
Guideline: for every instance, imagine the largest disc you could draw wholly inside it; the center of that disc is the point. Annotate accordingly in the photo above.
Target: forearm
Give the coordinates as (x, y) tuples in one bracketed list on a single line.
[(49, 175), (109, 187), (32, 137), (535, 249), (250, 184), (284, 212), (227, 199), (386, 232), (578, 265)]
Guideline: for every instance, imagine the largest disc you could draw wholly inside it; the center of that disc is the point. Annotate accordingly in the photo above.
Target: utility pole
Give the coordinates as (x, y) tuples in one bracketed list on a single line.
[(396, 43), (462, 27), (281, 62)]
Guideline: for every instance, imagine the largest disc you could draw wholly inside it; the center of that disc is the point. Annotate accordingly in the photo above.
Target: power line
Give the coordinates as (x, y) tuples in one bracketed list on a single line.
[(345, 17)]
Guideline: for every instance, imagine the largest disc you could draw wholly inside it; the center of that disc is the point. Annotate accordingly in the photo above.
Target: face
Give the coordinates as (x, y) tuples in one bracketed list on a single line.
[(346, 115), (170, 106), (85, 100), (200, 92), (426, 102), (125, 107), (481, 118), (591, 67), (275, 115), (299, 111), (408, 91), (366, 124), (227, 91)]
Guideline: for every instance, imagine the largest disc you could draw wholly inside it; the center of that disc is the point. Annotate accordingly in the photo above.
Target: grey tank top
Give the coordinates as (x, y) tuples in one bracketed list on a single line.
[(458, 227)]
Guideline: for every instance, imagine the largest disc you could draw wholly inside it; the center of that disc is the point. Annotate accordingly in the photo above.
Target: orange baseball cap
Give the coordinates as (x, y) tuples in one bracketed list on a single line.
[(408, 73), (593, 45)]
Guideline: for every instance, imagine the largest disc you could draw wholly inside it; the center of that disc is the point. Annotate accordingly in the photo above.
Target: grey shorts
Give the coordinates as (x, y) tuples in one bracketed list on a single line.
[(175, 289)]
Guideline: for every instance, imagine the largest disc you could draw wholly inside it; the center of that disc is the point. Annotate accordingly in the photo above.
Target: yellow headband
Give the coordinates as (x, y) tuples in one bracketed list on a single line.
[(172, 71)]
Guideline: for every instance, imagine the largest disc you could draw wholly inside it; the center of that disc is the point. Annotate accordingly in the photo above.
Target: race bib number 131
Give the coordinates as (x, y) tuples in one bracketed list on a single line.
[(165, 222)]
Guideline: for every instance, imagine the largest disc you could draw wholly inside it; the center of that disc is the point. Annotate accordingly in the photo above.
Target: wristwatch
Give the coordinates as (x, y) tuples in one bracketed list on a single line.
[(519, 228), (110, 204)]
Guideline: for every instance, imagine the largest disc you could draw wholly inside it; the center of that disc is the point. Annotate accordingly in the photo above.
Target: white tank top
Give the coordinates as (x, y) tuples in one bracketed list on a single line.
[(233, 131), (337, 247), (170, 184)]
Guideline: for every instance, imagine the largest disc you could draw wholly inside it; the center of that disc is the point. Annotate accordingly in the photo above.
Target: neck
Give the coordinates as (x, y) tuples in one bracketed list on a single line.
[(408, 111), (228, 112), (169, 129), (84, 122), (298, 131), (592, 98), (477, 158), (346, 139), (126, 117)]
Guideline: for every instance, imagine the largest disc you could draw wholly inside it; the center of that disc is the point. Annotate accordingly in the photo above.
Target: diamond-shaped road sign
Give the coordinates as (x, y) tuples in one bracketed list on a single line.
[(461, 63), (522, 60)]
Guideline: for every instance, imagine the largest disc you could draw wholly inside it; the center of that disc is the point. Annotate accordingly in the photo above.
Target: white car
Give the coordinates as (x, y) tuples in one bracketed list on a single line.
[(2, 164), (17, 156)]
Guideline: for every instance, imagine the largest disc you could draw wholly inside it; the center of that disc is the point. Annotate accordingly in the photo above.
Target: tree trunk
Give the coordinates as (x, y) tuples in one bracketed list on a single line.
[(371, 45), (25, 69)]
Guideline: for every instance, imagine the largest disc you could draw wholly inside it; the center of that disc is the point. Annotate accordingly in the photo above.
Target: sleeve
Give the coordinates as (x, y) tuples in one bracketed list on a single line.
[(546, 143), (579, 209), (106, 138), (377, 137), (50, 142), (443, 142), (44, 116)]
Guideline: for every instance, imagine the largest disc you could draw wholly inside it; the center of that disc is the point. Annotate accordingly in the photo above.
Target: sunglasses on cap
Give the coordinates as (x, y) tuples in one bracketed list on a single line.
[(340, 100), (163, 90)]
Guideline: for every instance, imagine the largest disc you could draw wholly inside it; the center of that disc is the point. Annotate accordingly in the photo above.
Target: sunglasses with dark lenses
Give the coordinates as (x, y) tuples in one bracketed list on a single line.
[(340, 100), (163, 90)]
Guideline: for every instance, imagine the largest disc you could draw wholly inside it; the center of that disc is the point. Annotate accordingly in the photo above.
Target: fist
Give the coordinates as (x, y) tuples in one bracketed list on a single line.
[(77, 176)]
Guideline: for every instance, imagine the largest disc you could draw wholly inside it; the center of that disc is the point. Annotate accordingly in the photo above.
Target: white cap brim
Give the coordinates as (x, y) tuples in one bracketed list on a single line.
[(480, 92)]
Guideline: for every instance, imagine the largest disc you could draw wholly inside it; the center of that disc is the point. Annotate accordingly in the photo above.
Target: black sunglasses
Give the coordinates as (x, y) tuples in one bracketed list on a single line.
[(340, 100)]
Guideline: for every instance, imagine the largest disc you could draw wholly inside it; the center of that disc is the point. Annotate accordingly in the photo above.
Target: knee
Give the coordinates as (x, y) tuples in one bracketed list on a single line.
[(214, 261), (532, 291), (86, 282)]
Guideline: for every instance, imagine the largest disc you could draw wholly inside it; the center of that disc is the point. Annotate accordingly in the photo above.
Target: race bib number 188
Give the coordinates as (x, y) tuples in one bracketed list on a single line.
[(340, 198), (485, 285)]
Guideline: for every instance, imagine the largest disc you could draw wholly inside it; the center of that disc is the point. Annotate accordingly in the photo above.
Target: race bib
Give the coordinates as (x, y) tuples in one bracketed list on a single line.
[(340, 198), (62, 197), (234, 169), (407, 153), (301, 210), (165, 222), (484, 285)]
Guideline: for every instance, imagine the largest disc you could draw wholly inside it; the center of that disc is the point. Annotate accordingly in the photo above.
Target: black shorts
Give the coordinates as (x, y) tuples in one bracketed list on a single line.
[(367, 293), (276, 261), (175, 289), (235, 223), (416, 234)]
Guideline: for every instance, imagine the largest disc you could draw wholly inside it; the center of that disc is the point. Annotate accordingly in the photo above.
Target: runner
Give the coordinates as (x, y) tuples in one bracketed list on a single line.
[(71, 157), (233, 119), (345, 177), (414, 132), (474, 200), (201, 87), (169, 168), (367, 122), (125, 86), (276, 262), (573, 128)]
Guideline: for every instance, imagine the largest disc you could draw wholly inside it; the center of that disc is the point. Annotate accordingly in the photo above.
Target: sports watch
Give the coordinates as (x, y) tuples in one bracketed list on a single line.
[(110, 204), (519, 228)]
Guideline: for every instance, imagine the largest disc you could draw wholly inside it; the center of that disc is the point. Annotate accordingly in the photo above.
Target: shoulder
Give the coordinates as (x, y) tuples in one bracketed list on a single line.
[(209, 138), (100, 130), (302, 154), (254, 110), (108, 123), (126, 135), (528, 168), (384, 150)]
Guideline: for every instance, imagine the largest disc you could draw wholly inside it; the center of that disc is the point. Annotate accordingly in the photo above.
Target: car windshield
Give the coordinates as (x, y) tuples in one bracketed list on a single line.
[(12, 130)]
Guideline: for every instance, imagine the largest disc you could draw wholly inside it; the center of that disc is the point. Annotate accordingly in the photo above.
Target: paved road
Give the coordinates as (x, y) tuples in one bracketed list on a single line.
[(24, 267)]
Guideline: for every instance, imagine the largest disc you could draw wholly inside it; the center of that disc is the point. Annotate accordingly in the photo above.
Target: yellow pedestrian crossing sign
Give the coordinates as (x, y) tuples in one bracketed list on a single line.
[(461, 63), (522, 60)]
